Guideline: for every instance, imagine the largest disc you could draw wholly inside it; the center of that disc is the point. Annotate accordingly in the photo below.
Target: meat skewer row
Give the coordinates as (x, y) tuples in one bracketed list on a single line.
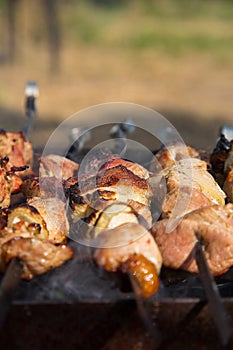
[(206, 218)]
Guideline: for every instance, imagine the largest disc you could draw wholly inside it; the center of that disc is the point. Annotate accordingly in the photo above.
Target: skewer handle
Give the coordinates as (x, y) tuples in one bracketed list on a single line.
[(31, 93)]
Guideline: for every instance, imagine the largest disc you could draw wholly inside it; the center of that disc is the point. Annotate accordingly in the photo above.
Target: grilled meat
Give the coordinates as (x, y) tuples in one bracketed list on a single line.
[(14, 146), (211, 225), (44, 187), (113, 184), (9, 182), (166, 157), (27, 214), (57, 166), (187, 178), (5, 187), (109, 208), (38, 256), (131, 248), (24, 234), (135, 168), (192, 199), (52, 210)]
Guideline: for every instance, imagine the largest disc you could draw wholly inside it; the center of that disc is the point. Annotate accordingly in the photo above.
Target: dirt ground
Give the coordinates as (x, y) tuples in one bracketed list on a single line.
[(193, 92)]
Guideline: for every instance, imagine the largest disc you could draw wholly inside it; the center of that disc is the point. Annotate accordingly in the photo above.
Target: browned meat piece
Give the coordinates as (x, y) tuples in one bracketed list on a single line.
[(135, 168), (186, 178), (167, 157), (44, 187), (38, 256), (112, 184), (9, 182), (23, 234), (57, 166), (21, 229), (16, 148), (117, 183), (200, 180), (5, 188), (27, 215), (53, 212), (192, 201), (125, 183), (131, 248), (212, 225)]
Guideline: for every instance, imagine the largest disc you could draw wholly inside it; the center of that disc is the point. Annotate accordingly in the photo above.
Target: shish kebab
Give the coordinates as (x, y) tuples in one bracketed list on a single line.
[(27, 244), (136, 204), (136, 266), (134, 210), (124, 258)]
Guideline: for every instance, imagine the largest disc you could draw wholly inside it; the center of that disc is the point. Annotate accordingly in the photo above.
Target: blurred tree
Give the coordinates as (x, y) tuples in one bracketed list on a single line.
[(107, 3), (54, 35), (11, 12), (50, 8)]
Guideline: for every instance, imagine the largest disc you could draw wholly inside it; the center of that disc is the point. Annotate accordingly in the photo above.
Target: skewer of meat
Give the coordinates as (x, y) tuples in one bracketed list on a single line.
[(31, 244), (42, 218), (113, 207), (28, 242)]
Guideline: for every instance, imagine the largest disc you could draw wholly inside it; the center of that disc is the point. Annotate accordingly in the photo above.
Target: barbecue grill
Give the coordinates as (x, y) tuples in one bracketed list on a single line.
[(79, 306)]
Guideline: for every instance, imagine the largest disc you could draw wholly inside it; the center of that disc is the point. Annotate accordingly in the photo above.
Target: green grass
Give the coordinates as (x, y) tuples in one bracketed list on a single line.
[(172, 26)]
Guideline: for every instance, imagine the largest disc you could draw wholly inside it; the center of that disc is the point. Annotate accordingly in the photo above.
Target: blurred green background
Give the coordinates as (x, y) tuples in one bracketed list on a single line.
[(175, 56)]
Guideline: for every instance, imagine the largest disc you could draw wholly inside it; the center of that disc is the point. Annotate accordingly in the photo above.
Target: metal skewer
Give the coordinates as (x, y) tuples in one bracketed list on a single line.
[(216, 306), (143, 312), (14, 271)]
